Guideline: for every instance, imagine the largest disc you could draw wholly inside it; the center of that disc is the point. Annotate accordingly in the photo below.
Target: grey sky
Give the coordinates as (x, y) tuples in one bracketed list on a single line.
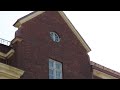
[(100, 29)]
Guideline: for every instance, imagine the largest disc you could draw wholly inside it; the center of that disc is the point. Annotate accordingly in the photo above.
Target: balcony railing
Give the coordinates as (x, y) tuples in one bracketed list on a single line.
[(5, 42)]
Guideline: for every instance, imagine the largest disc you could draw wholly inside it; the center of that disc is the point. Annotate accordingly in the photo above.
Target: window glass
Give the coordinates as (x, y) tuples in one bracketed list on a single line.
[(55, 69), (58, 66), (51, 64), (55, 37)]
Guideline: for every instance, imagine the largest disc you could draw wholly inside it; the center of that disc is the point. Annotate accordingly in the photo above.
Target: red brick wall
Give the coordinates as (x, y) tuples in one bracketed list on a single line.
[(33, 53)]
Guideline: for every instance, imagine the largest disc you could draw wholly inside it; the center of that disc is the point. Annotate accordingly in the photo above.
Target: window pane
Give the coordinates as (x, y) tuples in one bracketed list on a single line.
[(51, 34), (51, 64), (51, 77), (58, 66), (58, 75), (54, 36), (55, 69), (51, 72)]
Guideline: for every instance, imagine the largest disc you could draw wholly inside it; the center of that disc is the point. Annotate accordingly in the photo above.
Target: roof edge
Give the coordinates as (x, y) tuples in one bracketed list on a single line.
[(75, 31), (26, 18)]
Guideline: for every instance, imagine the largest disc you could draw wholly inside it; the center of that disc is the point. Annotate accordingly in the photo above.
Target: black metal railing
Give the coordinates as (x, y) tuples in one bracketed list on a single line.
[(5, 42)]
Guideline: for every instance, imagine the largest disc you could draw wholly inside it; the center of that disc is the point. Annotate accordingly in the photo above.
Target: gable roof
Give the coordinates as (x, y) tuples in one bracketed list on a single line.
[(28, 17)]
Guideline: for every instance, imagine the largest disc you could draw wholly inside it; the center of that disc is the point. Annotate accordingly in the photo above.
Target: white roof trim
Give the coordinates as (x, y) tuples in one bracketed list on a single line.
[(75, 31), (27, 18), (104, 68), (10, 72), (8, 55), (102, 75), (36, 13)]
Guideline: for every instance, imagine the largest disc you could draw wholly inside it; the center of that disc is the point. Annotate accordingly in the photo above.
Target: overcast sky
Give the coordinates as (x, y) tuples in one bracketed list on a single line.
[(100, 30)]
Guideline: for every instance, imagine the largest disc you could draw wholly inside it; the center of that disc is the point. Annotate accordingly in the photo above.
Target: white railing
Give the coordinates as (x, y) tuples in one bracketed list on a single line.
[(5, 42)]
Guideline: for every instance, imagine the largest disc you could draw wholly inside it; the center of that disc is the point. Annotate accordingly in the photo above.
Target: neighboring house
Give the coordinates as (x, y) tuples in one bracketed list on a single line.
[(101, 72), (46, 46)]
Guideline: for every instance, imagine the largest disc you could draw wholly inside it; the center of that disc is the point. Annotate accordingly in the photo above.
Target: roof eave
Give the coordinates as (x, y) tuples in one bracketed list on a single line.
[(17, 24), (75, 31), (26, 18)]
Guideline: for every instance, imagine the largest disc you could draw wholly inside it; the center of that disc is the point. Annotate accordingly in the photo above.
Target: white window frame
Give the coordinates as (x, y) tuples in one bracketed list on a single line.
[(55, 70)]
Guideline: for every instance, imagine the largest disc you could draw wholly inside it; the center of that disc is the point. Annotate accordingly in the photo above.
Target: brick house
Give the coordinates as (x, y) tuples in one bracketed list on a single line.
[(46, 46)]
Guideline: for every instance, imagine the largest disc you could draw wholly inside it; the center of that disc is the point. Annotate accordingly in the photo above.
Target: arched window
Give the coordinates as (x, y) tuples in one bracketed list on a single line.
[(55, 37)]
